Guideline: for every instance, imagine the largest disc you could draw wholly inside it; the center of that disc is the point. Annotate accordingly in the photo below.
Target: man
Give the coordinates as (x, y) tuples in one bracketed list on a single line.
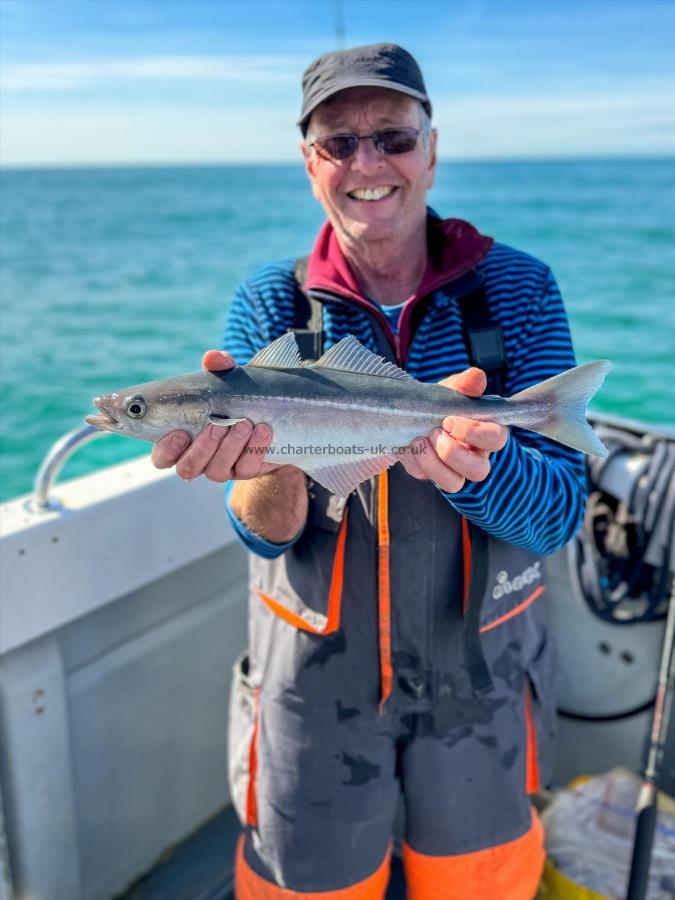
[(396, 645)]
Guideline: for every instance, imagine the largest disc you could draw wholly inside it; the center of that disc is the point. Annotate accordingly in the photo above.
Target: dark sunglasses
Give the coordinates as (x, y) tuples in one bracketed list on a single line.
[(389, 142)]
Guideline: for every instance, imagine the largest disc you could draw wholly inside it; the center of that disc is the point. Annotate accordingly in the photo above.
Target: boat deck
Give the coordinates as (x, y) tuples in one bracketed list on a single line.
[(201, 867)]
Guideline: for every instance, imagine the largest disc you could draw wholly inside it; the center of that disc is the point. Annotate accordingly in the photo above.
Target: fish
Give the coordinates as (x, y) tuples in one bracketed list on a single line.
[(348, 415)]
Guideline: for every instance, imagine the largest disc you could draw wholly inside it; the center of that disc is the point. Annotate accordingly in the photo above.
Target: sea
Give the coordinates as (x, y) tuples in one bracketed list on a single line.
[(114, 276)]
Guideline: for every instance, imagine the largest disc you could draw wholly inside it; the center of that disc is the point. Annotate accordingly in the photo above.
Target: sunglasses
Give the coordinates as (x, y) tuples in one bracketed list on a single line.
[(389, 142)]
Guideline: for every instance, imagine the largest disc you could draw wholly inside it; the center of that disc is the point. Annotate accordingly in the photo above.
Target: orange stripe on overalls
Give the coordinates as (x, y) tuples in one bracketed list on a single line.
[(334, 594), (383, 587), (516, 611), (251, 799), (532, 782)]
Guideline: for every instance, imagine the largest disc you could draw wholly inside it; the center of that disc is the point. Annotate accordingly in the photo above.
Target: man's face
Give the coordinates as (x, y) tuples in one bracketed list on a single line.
[(404, 178)]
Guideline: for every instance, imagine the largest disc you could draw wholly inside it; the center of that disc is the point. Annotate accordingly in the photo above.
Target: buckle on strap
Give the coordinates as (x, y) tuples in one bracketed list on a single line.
[(309, 343)]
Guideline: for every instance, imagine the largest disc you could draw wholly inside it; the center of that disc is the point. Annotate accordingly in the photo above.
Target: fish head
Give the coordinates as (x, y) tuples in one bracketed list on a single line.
[(150, 411)]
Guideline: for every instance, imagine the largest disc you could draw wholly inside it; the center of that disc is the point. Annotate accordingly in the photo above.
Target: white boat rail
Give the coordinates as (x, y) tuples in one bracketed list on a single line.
[(51, 465), (123, 609)]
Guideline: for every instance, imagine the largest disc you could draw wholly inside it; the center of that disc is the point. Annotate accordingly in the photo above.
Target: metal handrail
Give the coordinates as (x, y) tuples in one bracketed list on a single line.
[(52, 464)]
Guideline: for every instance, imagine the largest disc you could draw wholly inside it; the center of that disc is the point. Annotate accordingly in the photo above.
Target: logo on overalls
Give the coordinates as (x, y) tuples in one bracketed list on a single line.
[(504, 586)]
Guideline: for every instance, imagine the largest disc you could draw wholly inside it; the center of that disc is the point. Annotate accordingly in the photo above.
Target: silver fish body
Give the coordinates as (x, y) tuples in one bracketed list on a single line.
[(345, 417)]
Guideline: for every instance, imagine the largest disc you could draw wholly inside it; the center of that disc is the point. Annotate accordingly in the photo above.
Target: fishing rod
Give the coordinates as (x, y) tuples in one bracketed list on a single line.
[(646, 807), (339, 25)]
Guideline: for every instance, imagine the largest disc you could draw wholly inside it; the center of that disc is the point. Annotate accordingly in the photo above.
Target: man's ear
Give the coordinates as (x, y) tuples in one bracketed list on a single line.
[(310, 163), (433, 141)]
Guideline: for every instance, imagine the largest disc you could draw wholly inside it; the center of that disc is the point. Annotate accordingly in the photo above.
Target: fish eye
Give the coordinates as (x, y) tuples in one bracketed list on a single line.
[(135, 407)]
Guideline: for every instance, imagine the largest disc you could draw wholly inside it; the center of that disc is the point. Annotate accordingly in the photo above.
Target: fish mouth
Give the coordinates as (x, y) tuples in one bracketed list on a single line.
[(104, 420)]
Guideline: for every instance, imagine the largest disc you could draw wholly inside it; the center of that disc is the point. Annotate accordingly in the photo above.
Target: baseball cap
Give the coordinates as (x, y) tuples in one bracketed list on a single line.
[(375, 65)]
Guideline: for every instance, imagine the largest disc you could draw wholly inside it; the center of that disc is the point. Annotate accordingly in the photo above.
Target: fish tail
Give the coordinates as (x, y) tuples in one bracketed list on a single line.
[(560, 407)]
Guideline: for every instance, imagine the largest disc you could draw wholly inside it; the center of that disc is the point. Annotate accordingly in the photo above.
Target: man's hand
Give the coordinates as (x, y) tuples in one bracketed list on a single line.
[(219, 453), (274, 507), (460, 450)]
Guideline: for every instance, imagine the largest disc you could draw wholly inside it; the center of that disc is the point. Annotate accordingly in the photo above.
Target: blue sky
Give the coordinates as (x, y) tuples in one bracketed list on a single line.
[(153, 81)]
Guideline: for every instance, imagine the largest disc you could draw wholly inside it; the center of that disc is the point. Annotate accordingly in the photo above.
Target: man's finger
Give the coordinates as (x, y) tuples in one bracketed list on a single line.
[(200, 452), (482, 435), (251, 459), (471, 382), (409, 460), (467, 462), (167, 451), (436, 470), (217, 361), (221, 465)]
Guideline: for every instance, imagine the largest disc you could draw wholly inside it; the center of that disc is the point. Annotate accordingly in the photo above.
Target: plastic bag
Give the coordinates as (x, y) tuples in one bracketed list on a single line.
[(589, 837)]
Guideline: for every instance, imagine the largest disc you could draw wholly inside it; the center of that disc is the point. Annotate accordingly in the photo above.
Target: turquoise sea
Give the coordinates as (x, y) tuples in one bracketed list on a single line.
[(115, 276)]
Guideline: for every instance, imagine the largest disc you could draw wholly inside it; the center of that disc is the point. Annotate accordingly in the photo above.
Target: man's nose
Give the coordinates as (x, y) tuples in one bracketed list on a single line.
[(366, 158)]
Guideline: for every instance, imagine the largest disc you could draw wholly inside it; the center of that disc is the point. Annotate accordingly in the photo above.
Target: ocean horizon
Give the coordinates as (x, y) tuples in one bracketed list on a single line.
[(282, 164), (111, 275)]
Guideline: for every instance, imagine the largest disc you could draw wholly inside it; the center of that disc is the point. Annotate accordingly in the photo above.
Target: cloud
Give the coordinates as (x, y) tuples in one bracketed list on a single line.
[(121, 135), (203, 125), (637, 121), (256, 70)]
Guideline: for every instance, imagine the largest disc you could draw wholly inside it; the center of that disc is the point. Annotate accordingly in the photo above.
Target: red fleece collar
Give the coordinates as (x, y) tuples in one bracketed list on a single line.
[(455, 247)]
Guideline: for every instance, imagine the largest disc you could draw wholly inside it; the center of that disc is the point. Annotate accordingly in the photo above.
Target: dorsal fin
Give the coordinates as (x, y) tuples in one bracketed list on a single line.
[(280, 354), (349, 355)]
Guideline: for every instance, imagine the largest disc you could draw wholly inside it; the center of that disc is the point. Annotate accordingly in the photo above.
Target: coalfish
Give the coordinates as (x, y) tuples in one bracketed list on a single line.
[(347, 416)]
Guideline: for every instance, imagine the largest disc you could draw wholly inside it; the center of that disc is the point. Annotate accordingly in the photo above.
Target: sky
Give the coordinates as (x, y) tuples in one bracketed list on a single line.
[(210, 81)]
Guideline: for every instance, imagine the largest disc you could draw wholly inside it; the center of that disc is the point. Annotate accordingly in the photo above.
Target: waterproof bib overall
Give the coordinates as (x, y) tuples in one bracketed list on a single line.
[(393, 649)]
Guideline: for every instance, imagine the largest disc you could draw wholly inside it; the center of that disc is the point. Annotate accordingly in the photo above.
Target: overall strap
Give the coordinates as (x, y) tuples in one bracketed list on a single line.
[(474, 659), (485, 347), (483, 339), (308, 319)]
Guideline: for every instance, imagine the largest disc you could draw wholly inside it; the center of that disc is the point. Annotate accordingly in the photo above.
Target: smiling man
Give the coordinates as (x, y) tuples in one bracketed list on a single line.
[(377, 205), (397, 646)]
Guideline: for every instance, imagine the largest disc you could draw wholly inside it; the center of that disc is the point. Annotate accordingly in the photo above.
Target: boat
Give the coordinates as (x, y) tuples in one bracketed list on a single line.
[(123, 611)]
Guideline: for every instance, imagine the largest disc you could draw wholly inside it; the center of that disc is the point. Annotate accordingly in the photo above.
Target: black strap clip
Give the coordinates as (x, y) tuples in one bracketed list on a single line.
[(309, 343)]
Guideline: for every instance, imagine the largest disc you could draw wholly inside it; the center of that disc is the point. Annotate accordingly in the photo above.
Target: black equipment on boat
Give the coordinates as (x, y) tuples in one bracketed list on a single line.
[(624, 552)]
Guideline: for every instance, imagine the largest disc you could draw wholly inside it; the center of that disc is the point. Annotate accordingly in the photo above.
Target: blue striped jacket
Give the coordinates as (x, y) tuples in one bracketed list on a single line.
[(535, 493)]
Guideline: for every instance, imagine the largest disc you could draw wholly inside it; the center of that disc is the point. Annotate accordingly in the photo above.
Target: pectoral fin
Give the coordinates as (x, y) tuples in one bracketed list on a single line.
[(222, 421)]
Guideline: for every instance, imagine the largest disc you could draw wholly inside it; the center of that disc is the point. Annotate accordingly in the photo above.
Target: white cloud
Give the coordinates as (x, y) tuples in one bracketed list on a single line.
[(639, 120), (257, 70), (46, 136), (585, 124)]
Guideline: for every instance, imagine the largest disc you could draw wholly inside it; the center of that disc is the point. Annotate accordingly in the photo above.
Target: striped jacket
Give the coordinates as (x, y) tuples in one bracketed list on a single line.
[(535, 493)]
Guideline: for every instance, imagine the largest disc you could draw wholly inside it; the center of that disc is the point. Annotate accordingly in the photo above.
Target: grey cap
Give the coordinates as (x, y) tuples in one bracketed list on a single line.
[(376, 65)]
